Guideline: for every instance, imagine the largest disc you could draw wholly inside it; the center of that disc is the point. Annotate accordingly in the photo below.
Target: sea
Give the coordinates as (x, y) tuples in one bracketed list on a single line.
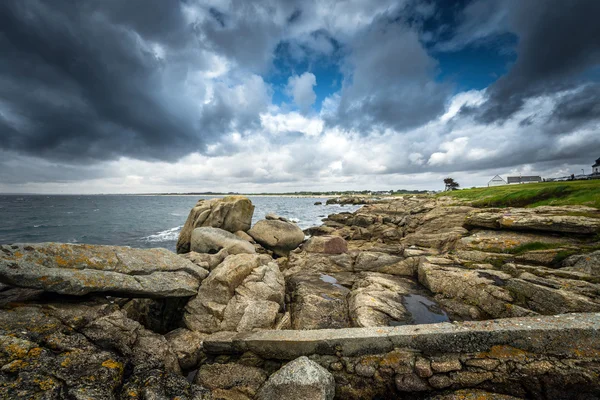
[(130, 220)]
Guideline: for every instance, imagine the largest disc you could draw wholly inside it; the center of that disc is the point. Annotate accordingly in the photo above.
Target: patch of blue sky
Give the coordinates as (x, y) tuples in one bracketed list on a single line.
[(326, 69), (477, 65)]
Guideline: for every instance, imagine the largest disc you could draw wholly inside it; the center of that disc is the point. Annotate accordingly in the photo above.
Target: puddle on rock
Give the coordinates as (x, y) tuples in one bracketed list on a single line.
[(422, 311), (331, 280)]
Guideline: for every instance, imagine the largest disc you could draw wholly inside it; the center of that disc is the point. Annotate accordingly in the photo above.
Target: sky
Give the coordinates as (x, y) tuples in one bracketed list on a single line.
[(149, 96)]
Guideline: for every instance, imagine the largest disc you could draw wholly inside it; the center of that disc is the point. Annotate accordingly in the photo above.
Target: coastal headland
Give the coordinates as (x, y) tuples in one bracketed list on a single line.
[(484, 293)]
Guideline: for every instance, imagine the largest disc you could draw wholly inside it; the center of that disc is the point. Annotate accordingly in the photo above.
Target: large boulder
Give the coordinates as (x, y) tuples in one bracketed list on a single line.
[(279, 236), (231, 381), (212, 240), (326, 244), (81, 269), (231, 213), (317, 302), (301, 379), (244, 292)]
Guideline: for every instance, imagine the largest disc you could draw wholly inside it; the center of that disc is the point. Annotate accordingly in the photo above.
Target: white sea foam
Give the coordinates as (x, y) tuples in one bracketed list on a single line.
[(296, 220), (164, 236)]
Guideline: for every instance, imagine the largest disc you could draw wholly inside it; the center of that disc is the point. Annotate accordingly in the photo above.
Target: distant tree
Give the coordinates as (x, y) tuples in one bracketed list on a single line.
[(451, 184)]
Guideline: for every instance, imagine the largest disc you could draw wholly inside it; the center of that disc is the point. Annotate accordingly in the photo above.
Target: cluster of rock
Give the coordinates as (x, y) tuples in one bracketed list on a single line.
[(106, 322)]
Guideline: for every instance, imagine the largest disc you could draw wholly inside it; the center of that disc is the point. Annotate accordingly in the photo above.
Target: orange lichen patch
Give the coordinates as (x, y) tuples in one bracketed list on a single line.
[(395, 358), (18, 254), (592, 353), (15, 365), (505, 352), (35, 352), (45, 384), (14, 350), (112, 364), (507, 221), (132, 394), (66, 362)]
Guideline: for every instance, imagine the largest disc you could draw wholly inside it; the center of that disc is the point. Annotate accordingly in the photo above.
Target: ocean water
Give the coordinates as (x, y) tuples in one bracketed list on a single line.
[(126, 220)]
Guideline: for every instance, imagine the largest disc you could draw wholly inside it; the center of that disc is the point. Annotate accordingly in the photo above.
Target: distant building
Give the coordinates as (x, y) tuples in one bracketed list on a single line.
[(523, 179), (497, 181), (596, 167)]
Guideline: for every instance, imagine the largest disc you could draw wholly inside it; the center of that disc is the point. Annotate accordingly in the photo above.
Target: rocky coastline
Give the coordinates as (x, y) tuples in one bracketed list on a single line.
[(416, 297)]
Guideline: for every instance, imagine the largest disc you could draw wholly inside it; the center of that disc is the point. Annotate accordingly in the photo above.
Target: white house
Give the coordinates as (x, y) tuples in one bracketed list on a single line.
[(497, 181)]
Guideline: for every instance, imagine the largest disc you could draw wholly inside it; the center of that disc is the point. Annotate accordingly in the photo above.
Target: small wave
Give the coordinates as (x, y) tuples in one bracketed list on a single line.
[(296, 220), (96, 209), (163, 236), (37, 226), (177, 215), (72, 241)]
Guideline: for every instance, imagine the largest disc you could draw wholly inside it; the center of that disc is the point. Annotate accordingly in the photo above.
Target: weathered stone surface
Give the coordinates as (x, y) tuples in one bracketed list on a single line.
[(237, 296), (411, 383), (231, 213), (79, 351), (206, 261), (187, 346), (81, 269), (376, 300), (326, 245), (500, 294), (546, 218), (279, 236), (317, 302), (231, 381), (482, 289), (243, 235), (586, 263), (504, 241), (385, 263), (212, 240), (302, 262), (301, 379)]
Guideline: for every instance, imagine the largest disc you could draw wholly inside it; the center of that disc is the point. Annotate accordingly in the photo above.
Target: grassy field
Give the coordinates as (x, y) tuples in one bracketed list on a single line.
[(585, 193)]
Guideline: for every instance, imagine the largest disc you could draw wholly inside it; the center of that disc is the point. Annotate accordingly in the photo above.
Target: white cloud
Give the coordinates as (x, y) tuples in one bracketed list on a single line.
[(301, 90)]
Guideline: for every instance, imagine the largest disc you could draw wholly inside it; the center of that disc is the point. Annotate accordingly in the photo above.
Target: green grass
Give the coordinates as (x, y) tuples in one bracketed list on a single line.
[(585, 193)]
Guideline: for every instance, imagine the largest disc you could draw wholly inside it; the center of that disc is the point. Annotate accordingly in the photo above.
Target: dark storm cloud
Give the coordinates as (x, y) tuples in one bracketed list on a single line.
[(390, 80), (89, 81), (76, 84), (559, 41)]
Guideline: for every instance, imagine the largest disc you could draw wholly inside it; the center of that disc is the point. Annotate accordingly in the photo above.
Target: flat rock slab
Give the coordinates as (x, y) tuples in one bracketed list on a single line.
[(560, 335), (578, 220), (82, 269)]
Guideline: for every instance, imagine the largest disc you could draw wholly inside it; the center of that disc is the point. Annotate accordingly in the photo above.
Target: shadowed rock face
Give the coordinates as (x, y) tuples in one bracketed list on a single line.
[(81, 269), (231, 213)]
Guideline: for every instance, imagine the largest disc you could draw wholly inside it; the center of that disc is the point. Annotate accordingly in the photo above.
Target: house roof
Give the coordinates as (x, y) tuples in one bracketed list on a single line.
[(597, 163), (520, 179), (497, 178)]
